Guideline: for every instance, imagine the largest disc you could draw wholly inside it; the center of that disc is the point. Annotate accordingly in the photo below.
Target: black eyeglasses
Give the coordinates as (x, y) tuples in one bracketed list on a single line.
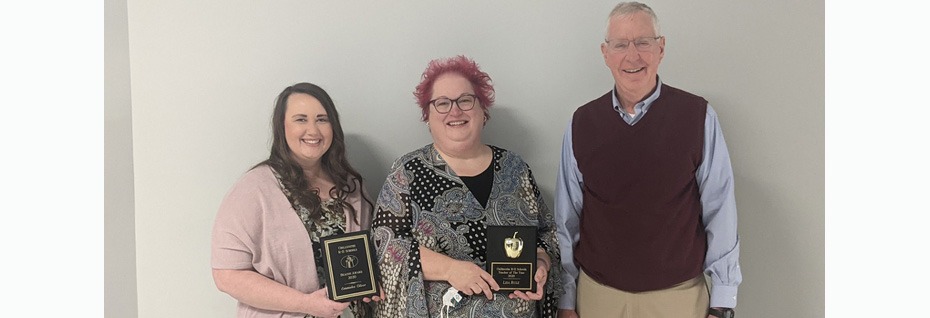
[(444, 105)]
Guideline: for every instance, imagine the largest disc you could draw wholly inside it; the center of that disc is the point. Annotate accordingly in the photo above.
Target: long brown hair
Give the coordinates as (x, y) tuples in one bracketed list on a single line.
[(334, 161)]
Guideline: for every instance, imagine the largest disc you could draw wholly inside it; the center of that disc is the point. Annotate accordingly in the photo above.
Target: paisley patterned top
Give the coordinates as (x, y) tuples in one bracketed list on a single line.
[(424, 203)]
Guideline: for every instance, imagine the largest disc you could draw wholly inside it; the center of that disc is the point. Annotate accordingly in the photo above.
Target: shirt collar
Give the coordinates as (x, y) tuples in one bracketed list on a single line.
[(642, 106)]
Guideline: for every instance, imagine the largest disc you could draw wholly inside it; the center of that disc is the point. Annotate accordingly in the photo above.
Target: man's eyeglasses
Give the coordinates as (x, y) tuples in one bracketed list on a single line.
[(443, 105), (643, 44)]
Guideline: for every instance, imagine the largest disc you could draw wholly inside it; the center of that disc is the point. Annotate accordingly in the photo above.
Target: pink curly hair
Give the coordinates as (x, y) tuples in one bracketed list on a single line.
[(462, 65)]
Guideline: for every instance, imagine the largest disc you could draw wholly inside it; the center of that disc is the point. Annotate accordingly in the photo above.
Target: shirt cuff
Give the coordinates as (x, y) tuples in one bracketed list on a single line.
[(567, 301), (723, 296)]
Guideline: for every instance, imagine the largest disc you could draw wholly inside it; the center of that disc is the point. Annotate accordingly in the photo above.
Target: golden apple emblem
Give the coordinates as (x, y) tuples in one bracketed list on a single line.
[(513, 246)]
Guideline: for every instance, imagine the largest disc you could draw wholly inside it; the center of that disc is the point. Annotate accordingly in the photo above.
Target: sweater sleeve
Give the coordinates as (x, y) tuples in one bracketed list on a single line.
[(237, 229)]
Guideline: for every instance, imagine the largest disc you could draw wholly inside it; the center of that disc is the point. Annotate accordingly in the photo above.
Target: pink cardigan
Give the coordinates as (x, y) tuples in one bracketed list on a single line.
[(256, 228)]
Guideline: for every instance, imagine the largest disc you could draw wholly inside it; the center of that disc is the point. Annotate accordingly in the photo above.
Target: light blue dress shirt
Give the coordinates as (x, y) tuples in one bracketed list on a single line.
[(715, 183)]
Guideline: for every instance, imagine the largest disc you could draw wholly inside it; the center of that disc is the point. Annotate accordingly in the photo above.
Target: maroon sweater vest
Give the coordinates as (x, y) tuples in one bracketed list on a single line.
[(641, 226)]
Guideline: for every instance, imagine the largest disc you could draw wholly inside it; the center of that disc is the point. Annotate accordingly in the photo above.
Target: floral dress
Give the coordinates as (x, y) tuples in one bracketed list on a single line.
[(331, 222), (424, 203)]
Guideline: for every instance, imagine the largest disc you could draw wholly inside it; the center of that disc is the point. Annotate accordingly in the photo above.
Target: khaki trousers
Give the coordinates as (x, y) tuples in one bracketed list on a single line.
[(689, 299)]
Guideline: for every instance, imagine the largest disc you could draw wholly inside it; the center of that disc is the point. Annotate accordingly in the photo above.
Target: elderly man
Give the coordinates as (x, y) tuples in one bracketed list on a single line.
[(644, 201)]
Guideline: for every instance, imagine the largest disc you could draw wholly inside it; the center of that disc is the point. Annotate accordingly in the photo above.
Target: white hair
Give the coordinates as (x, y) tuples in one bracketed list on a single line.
[(628, 8)]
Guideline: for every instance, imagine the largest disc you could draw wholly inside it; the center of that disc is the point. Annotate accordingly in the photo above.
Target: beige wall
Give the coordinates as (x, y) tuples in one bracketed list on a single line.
[(205, 73)]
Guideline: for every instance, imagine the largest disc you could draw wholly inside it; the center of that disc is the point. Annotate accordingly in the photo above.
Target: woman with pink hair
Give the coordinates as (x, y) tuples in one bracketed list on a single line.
[(438, 201)]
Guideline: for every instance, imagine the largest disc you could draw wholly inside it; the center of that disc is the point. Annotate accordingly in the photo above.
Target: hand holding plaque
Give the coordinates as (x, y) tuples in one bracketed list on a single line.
[(351, 267), (511, 258)]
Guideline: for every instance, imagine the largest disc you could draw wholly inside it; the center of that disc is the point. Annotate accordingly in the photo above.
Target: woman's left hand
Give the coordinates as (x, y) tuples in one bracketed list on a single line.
[(541, 275), (375, 298)]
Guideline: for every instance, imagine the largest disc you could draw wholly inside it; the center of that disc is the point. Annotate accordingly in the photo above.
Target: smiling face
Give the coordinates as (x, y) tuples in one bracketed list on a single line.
[(307, 129), (456, 129), (634, 72)]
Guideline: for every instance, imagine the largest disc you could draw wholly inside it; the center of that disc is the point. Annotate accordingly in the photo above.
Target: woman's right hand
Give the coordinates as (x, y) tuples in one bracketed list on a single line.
[(471, 279), (321, 306)]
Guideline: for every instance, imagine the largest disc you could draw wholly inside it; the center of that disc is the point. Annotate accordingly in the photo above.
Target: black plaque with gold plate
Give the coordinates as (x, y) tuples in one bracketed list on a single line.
[(511, 257), (351, 267)]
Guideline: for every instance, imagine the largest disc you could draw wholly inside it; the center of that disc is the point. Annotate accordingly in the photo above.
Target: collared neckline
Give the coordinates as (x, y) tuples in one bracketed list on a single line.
[(641, 107)]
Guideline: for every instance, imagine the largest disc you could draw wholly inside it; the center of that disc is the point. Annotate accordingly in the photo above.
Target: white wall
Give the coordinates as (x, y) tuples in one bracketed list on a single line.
[(205, 73)]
